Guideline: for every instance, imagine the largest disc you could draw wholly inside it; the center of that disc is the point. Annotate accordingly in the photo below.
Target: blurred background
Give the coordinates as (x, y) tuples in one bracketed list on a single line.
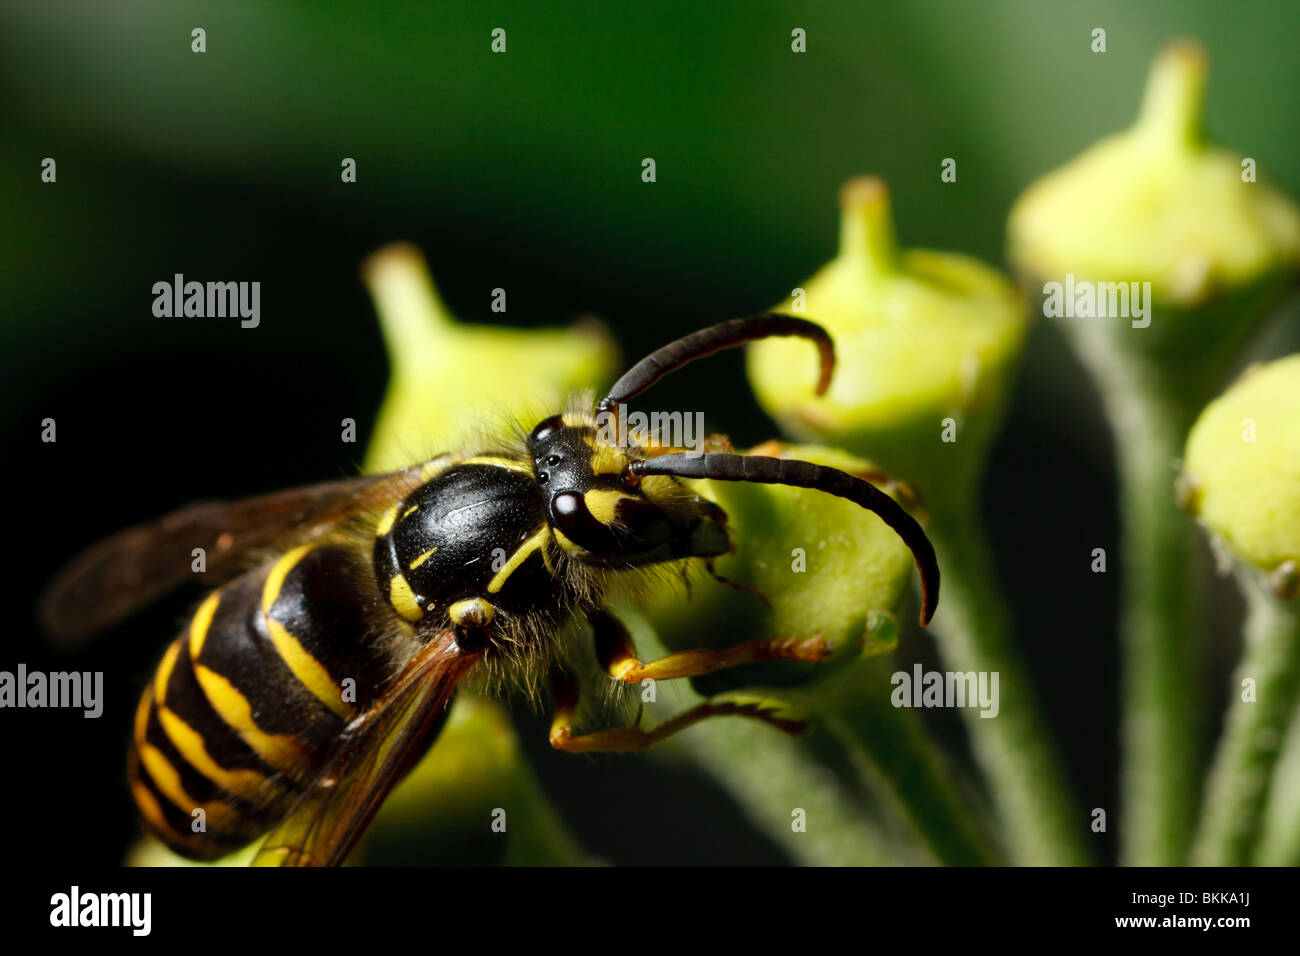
[(523, 171)]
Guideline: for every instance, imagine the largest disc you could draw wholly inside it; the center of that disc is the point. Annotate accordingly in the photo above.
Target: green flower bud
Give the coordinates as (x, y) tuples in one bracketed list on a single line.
[(824, 565), (1156, 204), (1241, 473), (449, 379), (926, 343)]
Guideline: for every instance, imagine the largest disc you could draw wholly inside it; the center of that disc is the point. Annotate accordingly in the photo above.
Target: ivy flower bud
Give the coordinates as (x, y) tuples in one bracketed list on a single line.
[(926, 343), (443, 370), (1163, 241), (1241, 474)]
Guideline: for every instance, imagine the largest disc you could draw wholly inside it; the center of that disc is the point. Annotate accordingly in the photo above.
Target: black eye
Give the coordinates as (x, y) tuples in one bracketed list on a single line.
[(545, 428), (553, 460), (567, 506), (543, 478)]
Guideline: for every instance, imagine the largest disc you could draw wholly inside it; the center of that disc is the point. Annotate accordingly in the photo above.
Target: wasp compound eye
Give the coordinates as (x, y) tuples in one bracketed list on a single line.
[(545, 429)]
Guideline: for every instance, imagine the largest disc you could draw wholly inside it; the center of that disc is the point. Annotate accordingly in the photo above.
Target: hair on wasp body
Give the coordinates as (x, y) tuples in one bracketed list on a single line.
[(301, 691)]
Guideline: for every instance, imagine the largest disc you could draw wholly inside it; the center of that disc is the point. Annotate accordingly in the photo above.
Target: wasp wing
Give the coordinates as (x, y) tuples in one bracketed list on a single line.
[(122, 573), (376, 751)]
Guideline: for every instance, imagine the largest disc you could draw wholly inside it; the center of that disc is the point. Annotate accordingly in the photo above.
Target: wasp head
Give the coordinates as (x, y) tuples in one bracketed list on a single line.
[(604, 514)]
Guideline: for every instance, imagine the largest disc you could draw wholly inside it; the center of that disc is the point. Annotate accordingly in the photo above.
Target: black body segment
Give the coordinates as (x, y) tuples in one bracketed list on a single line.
[(478, 530), (251, 697)]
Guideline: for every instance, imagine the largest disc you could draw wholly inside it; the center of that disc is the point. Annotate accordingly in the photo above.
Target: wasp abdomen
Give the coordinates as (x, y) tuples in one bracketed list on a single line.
[(249, 699)]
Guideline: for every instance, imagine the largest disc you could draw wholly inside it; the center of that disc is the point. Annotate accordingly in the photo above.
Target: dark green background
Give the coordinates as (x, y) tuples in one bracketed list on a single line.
[(522, 171)]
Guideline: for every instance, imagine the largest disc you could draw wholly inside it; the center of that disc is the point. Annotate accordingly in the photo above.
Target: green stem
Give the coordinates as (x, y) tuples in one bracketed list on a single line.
[(1041, 823), (890, 746), (1279, 843), (771, 774), (1163, 679), (1255, 728)]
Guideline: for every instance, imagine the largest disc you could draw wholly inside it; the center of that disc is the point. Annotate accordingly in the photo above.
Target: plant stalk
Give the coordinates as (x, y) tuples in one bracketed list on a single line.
[(1042, 825), (1150, 415), (1255, 730)]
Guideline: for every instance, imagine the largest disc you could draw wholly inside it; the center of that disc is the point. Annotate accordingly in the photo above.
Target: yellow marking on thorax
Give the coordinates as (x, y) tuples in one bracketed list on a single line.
[(422, 558), (245, 783), (200, 622), (299, 660), (410, 511), (498, 462), (386, 522), (432, 469), (281, 751), (472, 612), (603, 502), (402, 598), (522, 553)]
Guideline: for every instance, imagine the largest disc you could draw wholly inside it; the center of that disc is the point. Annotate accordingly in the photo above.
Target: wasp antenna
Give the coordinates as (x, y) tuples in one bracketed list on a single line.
[(721, 466), (724, 335)]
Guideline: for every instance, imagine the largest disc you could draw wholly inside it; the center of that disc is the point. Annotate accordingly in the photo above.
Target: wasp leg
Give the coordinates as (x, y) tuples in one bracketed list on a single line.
[(565, 689), (617, 654)]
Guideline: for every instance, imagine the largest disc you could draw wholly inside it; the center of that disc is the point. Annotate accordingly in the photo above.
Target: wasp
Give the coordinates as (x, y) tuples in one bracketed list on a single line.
[(304, 688)]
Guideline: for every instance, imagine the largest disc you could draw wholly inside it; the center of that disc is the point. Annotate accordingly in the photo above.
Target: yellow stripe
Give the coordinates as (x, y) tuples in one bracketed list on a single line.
[(168, 780), (201, 621), (304, 666), (410, 511), (308, 670), (280, 751), (142, 715), (498, 462), (280, 571), (386, 522), (422, 558), (165, 671), (432, 469), (521, 555), (565, 543), (402, 598), (151, 809), (602, 502), (245, 783)]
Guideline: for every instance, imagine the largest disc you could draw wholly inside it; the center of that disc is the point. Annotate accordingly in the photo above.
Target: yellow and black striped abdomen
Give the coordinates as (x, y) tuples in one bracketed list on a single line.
[(248, 701)]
